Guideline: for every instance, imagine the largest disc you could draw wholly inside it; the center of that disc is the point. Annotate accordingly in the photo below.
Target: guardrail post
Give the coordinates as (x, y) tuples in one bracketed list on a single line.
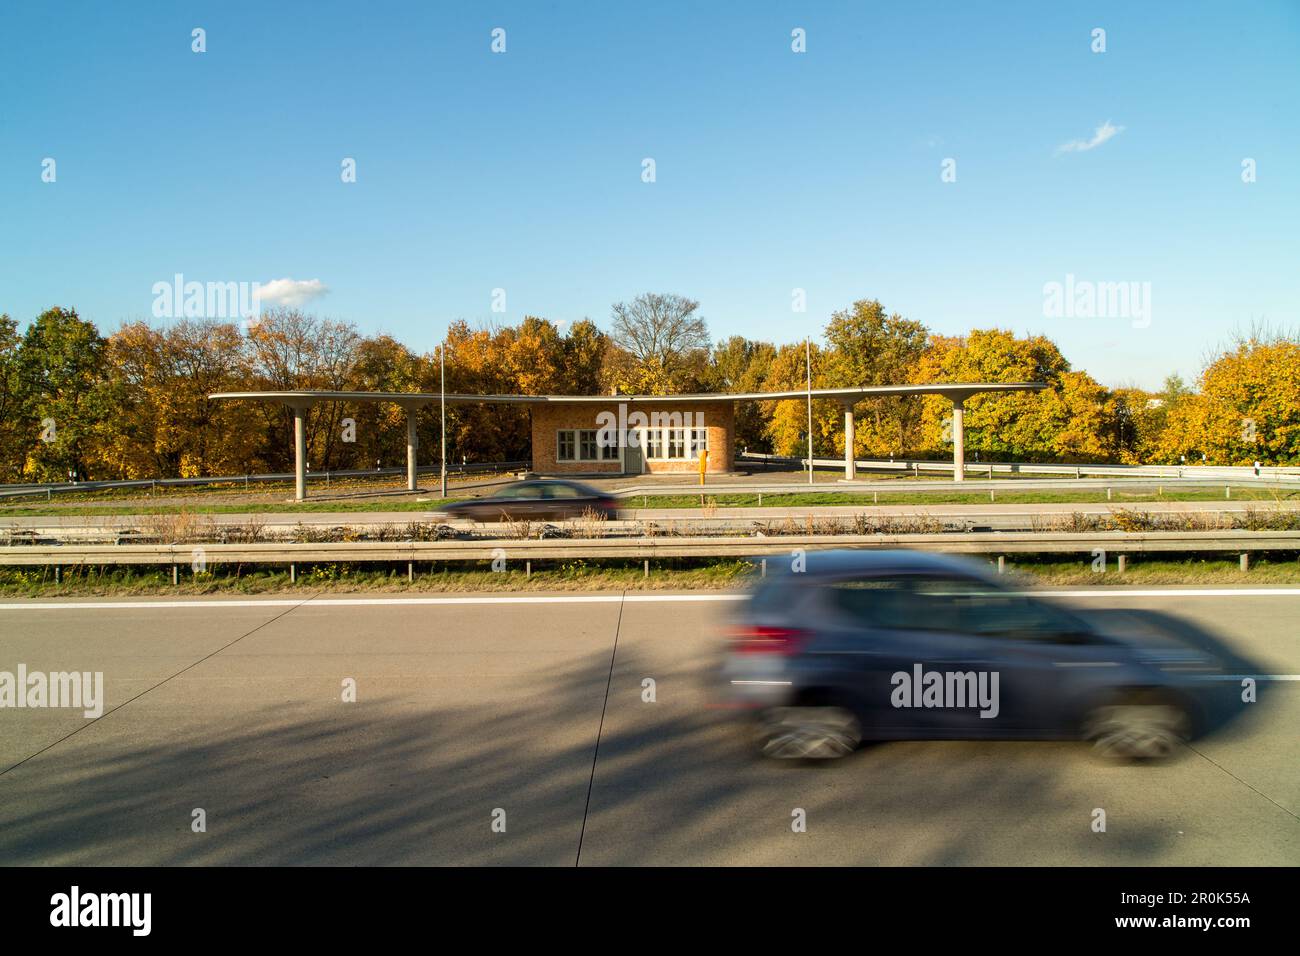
[(528, 570), (1245, 560), (410, 571), (1123, 563), (647, 567), (58, 574)]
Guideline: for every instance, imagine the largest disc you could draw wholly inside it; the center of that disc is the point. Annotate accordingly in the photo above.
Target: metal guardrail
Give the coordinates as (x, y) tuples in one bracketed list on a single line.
[(996, 543), (51, 488)]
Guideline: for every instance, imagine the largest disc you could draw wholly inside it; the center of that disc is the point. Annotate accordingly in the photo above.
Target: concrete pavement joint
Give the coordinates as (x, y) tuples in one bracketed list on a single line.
[(1243, 782), (600, 727)]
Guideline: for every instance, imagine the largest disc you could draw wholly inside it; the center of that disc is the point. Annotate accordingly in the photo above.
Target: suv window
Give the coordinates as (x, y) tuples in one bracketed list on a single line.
[(957, 605)]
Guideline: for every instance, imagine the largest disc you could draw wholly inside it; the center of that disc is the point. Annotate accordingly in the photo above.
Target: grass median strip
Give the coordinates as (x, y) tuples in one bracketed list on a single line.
[(712, 499)]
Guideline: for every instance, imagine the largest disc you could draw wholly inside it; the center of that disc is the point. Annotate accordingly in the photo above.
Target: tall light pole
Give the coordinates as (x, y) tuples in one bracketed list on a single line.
[(442, 382), (807, 353)]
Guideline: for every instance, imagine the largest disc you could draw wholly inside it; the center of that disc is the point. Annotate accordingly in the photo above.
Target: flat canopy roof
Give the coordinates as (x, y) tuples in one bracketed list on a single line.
[(950, 390)]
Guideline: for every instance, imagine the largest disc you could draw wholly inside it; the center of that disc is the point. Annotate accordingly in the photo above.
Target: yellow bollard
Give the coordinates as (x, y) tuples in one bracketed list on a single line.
[(704, 463)]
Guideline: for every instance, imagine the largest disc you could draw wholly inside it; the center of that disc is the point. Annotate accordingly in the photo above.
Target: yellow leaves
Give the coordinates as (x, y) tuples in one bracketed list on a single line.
[(1247, 408)]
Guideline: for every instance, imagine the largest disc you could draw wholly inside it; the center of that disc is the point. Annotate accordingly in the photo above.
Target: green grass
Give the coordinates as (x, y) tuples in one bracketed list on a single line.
[(815, 498), (683, 574)]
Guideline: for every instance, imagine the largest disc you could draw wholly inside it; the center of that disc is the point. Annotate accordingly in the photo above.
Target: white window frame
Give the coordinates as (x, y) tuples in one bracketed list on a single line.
[(607, 453)]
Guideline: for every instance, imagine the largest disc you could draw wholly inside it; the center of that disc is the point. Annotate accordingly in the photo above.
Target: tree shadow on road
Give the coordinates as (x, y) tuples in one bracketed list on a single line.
[(409, 779)]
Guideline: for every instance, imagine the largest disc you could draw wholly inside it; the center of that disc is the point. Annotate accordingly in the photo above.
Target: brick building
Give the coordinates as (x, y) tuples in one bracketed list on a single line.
[(631, 435)]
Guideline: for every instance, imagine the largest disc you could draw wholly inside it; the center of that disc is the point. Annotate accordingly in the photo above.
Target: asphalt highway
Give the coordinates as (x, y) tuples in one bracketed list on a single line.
[(529, 712)]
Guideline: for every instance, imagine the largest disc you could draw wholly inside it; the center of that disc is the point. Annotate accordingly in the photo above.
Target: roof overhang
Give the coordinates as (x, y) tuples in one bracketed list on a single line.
[(954, 391)]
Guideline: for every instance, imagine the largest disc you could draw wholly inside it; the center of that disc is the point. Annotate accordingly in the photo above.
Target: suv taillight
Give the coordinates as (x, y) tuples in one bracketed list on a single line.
[(767, 640)]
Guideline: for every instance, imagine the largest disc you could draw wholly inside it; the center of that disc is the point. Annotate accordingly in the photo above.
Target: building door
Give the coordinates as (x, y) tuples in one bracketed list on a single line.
[(633, 457)]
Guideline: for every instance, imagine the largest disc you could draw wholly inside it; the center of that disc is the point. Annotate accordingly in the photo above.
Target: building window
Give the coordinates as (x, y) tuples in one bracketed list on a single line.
[(675, 444), (582, 444)]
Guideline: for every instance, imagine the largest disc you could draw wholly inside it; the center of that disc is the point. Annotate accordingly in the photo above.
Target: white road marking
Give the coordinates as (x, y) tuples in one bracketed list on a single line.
[(585, 599)]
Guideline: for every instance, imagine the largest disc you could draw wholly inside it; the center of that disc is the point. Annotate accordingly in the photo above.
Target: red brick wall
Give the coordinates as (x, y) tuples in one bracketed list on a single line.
[(718, 418)]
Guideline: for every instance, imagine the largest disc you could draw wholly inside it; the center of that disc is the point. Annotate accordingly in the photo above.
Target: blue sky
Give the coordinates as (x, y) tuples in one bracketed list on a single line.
[(774, 170)]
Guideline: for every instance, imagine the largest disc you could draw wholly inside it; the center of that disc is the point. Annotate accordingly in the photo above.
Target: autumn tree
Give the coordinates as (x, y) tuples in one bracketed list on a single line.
[(740, 365), (61, 375), (290, 350), (1063, 422), (15, 435), (1247, 406), (871, 347), (662, 344)]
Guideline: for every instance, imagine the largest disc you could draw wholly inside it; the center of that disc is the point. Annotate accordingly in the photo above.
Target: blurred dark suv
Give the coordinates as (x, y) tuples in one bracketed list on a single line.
[(881, 645)]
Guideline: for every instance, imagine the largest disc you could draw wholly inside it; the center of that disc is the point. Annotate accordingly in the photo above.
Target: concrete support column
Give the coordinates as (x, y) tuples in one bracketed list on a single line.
[(412, 443), (300, 452), (850, 460), (958, 441)]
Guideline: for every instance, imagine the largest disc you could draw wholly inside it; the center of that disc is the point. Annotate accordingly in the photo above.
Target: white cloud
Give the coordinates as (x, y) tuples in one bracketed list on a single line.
[(291, 292), (1105, 131)]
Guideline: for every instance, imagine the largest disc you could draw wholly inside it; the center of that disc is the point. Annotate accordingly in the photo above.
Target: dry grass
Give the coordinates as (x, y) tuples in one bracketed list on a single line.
[(591, 524), (179, 527)]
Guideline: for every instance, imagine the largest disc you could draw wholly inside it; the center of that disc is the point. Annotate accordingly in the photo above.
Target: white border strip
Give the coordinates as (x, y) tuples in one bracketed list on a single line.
[(37, 605)]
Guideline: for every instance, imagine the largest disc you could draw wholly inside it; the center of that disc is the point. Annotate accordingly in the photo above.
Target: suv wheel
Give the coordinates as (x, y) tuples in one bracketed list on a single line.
[(1137, 731), (809, 733)]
